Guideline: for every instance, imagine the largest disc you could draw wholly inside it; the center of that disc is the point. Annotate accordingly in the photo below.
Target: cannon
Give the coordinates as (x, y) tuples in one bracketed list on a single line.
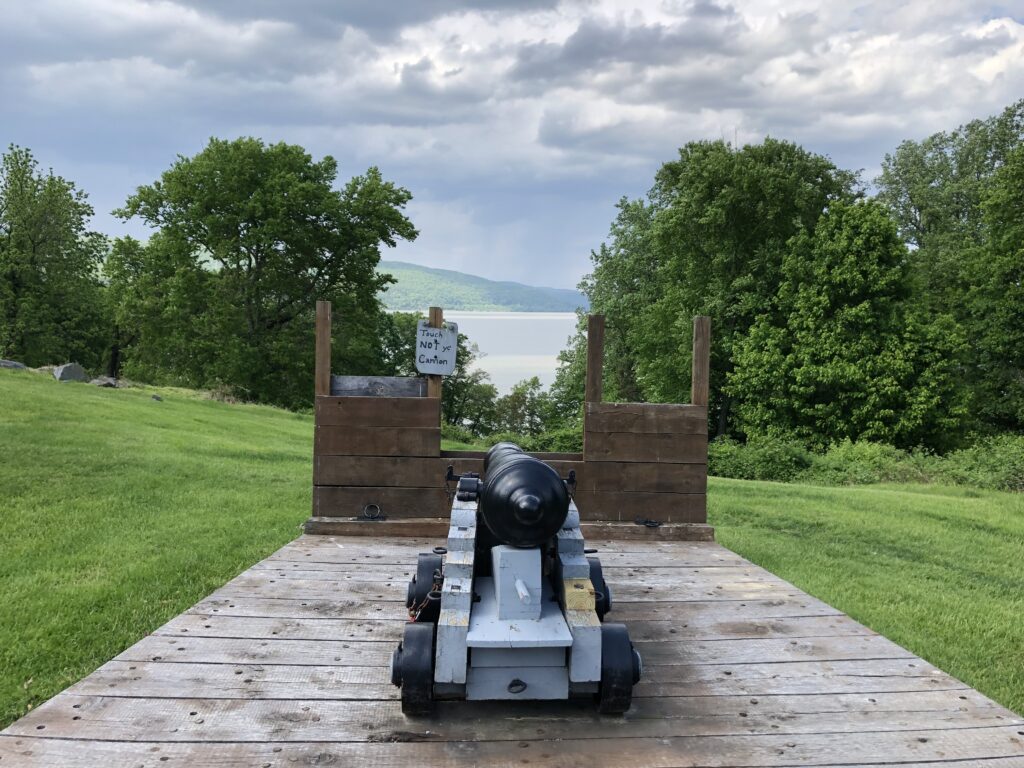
[(512, 608)]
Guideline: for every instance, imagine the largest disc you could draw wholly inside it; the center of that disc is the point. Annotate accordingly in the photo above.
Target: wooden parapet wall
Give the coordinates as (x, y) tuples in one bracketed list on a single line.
[(377, 450), (644, 461)]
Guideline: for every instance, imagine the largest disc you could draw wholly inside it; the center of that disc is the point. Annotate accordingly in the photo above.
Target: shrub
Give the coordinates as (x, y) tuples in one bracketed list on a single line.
[(760, 458), (860, 463), (996, 463), (457, 433)]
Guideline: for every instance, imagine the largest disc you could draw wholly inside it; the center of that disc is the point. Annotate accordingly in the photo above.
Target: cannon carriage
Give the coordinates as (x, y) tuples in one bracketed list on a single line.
[(513, 607)]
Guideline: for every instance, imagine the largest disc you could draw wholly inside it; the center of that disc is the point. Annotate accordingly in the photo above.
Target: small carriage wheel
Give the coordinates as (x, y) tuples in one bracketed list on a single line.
[(413, 669)]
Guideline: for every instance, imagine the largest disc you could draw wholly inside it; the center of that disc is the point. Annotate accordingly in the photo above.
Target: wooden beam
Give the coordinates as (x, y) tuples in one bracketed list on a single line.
[(436, 320), (700, 383), (595, 357), (323, 348)]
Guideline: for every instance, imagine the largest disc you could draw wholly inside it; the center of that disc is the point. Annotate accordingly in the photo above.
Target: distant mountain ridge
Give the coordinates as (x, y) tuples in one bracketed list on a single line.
[(421, 287)]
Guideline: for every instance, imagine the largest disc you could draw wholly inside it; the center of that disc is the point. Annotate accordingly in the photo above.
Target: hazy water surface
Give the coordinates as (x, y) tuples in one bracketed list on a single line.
[(517, 345)]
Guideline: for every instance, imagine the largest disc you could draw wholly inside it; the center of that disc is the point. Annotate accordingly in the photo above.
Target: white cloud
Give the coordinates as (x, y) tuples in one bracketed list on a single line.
[(517, 125)]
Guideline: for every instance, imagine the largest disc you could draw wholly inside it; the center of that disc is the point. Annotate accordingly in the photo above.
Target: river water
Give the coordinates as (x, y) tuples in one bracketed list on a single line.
[(516, 345)]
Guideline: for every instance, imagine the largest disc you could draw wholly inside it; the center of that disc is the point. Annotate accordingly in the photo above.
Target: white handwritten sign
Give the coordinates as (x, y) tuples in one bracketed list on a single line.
[(435, 348)]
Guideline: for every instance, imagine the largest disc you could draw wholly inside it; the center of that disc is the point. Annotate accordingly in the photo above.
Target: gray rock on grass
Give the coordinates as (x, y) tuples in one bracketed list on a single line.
[(11, 364), (70, 372), (104, 381)]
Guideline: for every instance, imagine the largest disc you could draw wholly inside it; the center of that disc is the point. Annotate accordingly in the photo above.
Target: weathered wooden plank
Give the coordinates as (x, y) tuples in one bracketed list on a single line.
[(290, 681), (638, 476), (695, 586), (647, 418), (200, 680), (593, 385), (378, 471), (627, 506), (408, 412), (322, 349), (615, 574), (349, 608), (343, 501), (391, 625), (378, 386), (437, 527), (376, 441), (700, 378), (631, 446), (218, 650), (402, 749), (339, 549), (548, 456), (254, 720)]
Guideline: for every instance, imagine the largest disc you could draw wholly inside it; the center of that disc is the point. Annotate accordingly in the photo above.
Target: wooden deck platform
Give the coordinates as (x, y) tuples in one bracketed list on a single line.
[(287, 665)]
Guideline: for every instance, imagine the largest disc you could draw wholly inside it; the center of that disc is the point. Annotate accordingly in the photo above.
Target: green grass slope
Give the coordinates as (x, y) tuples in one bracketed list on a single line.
[(421, 287), (117, 512)]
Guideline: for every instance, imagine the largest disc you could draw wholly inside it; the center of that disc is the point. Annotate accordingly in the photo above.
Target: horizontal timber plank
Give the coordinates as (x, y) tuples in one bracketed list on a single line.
[(932, 747), (255, 720), (349, 608), (346, 501), (391, 626), (407, 412), (647, 418), (289, 681), (437, 528), (378, 471), (668, 554), (693, 586), (220, 650), (378, 386), (639, 476), (376, 441), (627, 506), (632, 446), (542, 455)]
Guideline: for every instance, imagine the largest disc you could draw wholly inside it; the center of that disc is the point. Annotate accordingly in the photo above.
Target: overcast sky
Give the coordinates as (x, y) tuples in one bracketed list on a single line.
[(516, 125)]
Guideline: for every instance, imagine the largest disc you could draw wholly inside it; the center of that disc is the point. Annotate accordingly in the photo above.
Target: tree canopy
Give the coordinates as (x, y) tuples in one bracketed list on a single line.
[(51, 305), (249, 236)]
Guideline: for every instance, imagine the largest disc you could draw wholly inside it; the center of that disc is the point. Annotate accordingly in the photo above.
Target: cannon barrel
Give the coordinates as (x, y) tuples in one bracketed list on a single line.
[(523, 501)]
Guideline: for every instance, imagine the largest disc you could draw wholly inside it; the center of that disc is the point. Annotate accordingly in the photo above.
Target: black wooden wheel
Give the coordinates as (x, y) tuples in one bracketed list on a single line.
[(422, 583), (412, 668), (620, 669), (603, 596)]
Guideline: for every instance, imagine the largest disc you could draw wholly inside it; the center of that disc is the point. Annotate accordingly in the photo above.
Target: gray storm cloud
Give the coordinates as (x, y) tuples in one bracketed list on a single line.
[(516, 125)]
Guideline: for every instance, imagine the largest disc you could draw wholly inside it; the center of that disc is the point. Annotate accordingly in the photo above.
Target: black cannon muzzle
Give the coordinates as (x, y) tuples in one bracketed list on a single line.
[(523, 501)]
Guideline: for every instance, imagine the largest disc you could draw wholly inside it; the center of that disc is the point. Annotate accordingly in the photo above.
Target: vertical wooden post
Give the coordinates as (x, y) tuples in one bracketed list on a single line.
[(700, 383), (323, 348), (595, 357), (435, 319)]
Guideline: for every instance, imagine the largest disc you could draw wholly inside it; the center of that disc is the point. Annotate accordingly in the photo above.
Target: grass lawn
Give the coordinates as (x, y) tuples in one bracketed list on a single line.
[(117, 512), (938, 570)]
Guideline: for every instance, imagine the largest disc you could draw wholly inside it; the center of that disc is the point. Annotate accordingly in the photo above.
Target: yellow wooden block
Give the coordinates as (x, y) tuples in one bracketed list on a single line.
[(579, 595)]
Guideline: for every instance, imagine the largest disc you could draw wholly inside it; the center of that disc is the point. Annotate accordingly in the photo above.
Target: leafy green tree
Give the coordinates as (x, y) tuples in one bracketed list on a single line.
[(276, 234), (843, 353), (51, 301), (996, 301), (709, 239), (952, 195), (935, 190), (163, 301), (522, 410)]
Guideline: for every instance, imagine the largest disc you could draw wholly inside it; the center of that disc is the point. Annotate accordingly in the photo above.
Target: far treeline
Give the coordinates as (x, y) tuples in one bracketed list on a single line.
[(891, 314)]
